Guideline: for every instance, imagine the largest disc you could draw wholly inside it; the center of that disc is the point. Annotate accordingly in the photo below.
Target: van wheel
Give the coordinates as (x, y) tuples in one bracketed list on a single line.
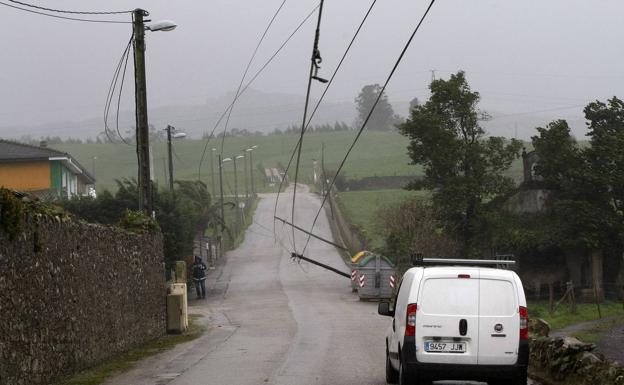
[(521, 378), (404, 377), (392, 376)]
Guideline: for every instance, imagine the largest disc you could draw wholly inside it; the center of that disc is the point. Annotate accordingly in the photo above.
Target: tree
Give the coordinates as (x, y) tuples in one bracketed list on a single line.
[(462, 166), (383, 116), (585, 182)]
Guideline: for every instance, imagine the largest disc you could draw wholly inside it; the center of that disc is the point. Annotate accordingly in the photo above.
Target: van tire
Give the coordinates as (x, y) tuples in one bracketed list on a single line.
[(521, 378), (392, 375), (404, 377)]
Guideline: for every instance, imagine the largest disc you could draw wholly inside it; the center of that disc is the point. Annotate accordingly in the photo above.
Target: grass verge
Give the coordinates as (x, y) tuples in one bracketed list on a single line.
[(361, 209), (584, 312), (126, 361)]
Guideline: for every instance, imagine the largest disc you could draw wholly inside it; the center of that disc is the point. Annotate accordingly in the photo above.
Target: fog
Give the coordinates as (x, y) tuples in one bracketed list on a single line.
[(531, 60)]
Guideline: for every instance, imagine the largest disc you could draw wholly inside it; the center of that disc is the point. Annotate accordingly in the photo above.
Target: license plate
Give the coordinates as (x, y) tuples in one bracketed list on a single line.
[(445, 347)]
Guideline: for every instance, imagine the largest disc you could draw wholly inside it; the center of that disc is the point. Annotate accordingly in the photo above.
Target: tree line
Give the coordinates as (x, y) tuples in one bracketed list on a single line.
[(466, 172)]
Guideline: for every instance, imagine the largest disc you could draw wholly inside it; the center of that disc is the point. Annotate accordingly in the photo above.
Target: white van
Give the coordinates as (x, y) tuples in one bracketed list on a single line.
[(457, 323)]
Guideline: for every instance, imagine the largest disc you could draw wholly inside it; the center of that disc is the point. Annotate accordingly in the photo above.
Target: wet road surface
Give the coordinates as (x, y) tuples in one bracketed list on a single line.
[(272, 320)]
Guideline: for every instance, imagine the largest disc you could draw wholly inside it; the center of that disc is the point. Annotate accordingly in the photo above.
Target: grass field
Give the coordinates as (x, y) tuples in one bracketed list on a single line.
[(377, 153), (585, 312), (361, 209)]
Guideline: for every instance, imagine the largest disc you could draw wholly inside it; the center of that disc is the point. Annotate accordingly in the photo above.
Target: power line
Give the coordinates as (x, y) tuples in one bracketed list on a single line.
[(331, 81), (111, 91), (315, 61), (71, 12), (357, 137), (248, 85), (65, 17), (253, 56)]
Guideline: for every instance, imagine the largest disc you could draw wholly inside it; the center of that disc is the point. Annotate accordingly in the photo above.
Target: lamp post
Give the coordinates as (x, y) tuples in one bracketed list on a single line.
[(176, 135), (140, 99)]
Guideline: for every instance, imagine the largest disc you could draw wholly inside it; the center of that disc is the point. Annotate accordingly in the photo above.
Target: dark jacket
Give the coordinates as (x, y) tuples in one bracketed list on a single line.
[(199, 270)]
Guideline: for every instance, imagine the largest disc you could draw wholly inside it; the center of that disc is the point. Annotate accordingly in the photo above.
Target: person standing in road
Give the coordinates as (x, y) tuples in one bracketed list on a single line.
[(199, 277)]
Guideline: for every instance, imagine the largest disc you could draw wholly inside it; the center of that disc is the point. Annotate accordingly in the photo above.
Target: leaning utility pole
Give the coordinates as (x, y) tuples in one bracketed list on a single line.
[(142, 129), (169, 128)]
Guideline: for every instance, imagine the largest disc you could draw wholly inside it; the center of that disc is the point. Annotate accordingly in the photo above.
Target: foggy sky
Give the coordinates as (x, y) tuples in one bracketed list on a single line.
[(525, 57)]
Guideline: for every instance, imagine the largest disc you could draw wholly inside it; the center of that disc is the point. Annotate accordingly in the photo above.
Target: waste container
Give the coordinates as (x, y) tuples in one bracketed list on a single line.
[(354, 268), (376, 277)]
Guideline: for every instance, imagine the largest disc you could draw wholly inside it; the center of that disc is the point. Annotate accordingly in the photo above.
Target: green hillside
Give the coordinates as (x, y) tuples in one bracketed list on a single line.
[(377, 153)]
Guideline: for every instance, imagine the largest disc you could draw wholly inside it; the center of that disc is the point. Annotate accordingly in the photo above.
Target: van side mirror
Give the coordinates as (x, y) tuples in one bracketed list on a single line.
[(384, 309)]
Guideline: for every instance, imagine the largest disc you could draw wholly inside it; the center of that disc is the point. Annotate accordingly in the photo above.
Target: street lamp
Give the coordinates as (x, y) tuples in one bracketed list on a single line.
[(250, 151), (140, 99), (177, 135)]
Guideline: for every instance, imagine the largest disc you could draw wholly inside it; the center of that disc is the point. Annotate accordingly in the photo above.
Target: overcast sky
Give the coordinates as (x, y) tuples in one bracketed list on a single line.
[(524, 56)]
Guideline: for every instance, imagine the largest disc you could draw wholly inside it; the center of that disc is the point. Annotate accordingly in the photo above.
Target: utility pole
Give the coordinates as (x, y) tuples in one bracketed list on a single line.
[(221, 188), (212, 177), (142, 129), (169, 128), (236, 196), (245, 179), (251, 171), (433, 78)]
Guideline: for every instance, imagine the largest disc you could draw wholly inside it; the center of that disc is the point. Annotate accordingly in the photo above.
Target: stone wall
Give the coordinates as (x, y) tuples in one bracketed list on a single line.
[(569, 360), (73, 294)]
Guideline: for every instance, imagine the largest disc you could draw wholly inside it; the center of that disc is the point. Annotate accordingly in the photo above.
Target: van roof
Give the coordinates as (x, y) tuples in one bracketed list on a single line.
[(484, 272)]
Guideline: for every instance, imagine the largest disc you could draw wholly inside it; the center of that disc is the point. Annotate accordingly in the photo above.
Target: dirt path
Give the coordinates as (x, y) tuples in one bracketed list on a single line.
[(610, 344)]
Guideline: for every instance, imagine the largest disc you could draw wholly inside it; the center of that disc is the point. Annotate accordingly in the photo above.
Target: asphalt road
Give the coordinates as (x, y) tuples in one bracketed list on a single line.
[(275, 321)]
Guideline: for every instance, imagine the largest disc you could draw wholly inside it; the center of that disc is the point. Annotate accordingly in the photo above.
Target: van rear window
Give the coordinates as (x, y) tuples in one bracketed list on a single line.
[(450, 296), (497, 298)]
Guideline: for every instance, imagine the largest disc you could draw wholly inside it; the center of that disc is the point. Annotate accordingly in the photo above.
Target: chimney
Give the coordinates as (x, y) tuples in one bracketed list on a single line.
[(43, 144)]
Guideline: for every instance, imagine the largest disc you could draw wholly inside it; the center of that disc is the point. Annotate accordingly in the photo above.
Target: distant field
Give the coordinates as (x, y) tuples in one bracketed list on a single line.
[(361, 209), (377, 153)]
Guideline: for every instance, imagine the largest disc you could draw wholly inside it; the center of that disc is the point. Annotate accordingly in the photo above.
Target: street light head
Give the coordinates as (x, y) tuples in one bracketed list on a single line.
[(214, 149), (163, 25), (254, 147), (240, 157), (179, 135), (226, 160)]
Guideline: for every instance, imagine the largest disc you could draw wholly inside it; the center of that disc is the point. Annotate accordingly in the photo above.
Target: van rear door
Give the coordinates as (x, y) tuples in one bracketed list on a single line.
[(447, 322), (499, 330)]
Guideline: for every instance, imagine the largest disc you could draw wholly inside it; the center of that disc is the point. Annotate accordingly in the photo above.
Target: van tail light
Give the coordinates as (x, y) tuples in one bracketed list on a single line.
[(410, 322), (524, 323)]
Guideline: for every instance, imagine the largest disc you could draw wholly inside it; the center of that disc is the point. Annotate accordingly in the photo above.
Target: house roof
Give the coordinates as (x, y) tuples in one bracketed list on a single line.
[(20, 152)]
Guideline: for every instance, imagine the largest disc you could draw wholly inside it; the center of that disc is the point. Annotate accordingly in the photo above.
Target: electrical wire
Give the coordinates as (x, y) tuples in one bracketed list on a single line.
[(123, 77), (329, 84), (248, 85), (253, 56), (357, 137), (65, 17), (72, 12), (316, 58), (111, 91)]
